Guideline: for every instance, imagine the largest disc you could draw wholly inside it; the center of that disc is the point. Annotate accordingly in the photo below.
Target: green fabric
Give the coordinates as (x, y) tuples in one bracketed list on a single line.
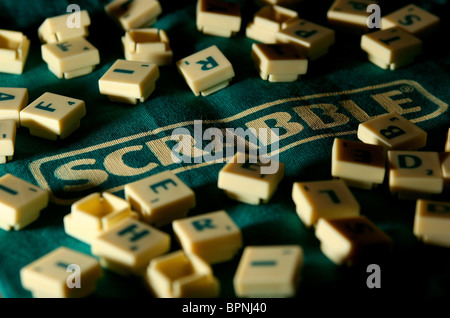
[(414, 269)]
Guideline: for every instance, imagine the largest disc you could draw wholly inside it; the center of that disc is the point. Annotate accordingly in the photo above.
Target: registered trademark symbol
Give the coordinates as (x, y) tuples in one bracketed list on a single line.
[(406, 88)]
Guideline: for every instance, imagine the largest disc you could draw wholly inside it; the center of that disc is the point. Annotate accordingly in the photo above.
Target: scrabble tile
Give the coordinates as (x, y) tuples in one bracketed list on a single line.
[(181, 275), (277, 2), (12, 101), (268, 21), (279, 62), (133, 14), (447, 144), (206, 71), (432, 222), (59, 28), (54, 275), (7, 139), (147, 45), (212, 236), (20, 202), (71, 58), (358, 164), (14, 49), (245, 179), (392, 131), (269, 271), (219, 18), (350, 16), (129, 81), (444, 158), (391, 48), (128, 247), (314, 39), (323, 199), (52, 116), (352, 241), (161, 198), (412, 19), (414, 173), (95, 214)]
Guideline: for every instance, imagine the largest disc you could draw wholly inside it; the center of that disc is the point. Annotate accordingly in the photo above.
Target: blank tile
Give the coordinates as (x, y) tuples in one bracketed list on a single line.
[(432, 222), (352, 241), (414, 173), (128, 247), (279, 62), (20, 202), (392, 131), (56, 29), (161, 198), (213, 236), (314, 39), (244, 179), (358, 164), (181, 275), (129, 81), (323, 199), (134, 14), (51, 277), (412, 19), (219, 18), (70, 58), (14, 49), (269, 271), (391, 48), (350, 16), (53, 116), (12, 101), (150, 45), (206, 71), (7, 139), (95, 214), (269, 20)]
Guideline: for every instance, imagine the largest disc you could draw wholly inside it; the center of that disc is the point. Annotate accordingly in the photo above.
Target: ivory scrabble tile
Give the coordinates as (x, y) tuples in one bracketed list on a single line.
[(20, 202), (269, 20), (352, 241), (14, 49), (391, 48), (147, 45), (70, 58), (94, 214), (12, 101), (414, 173), (53, 115), (350, 16), (413, 19), (392, 131), (279, 62), (134, 14), (129, 81), (206, 71), (314, 39), (432, 222), (64, 27), (245, 179), (447, 144), (212, 236), (128, 247), (161, 198), (7, 139), (323, 199), (277, 2), (444, 158), (269, 271), (62, 273), (181, 275), (358, 164), (219, 18)]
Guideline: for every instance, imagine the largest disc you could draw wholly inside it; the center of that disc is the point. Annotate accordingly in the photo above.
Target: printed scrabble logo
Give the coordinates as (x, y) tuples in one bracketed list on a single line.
[(301, 120)]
